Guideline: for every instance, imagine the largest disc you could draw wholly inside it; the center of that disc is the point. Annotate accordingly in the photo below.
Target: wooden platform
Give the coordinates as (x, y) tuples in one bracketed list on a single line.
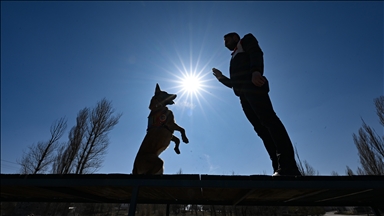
[(258, 190)]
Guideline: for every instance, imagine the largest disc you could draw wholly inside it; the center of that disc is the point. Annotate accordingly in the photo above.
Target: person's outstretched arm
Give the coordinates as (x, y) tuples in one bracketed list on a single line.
[(223, 79)]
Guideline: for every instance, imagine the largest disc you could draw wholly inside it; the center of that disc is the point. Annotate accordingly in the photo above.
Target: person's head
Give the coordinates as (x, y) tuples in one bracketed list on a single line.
[(231, 40)]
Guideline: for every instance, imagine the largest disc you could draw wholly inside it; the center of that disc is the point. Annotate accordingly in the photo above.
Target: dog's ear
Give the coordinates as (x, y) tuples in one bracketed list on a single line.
[(157, 88)]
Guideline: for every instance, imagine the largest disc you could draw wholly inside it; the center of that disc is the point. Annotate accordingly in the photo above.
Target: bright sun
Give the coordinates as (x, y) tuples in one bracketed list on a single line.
[(191, 83)]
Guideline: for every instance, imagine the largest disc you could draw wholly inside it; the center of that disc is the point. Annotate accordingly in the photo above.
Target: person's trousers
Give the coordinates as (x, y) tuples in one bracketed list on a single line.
[(259, 111)]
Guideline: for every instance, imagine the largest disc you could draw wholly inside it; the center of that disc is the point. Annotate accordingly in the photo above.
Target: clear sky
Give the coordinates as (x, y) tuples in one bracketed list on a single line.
[(323, 59)]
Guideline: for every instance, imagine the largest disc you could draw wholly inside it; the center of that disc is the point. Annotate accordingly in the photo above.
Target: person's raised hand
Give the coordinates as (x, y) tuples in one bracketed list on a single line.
[(217, 73)]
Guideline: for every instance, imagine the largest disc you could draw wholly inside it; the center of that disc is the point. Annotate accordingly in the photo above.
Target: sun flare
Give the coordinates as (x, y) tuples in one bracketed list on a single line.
[(191, 83)]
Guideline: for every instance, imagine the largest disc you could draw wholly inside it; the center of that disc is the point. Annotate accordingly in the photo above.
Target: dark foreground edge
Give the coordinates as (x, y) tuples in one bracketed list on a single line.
[(258, 190)]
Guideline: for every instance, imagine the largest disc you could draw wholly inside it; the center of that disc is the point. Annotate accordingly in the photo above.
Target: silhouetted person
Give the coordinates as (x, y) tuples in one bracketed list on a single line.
[(248, 83)]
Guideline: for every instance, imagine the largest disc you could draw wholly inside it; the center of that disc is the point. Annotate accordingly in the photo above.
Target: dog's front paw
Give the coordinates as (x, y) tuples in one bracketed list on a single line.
[(177, 150), (185, 139)]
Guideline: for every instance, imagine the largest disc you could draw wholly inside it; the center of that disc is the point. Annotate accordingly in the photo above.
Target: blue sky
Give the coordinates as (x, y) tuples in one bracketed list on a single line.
[(324, 61)]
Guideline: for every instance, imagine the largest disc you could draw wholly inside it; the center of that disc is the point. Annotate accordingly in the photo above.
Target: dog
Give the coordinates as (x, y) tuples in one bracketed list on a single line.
[(161, 125)]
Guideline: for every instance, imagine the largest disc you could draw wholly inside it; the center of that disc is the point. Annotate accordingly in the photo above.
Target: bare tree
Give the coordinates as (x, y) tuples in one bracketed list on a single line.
[(95, 142), (66, 155), (370, 145), (349, 171), (40, 156), (304, 167), (334, 173), (379, 103), (179, 172)]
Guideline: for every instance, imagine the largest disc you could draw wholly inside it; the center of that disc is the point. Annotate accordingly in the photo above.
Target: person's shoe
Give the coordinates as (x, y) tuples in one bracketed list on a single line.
[(282, 172)]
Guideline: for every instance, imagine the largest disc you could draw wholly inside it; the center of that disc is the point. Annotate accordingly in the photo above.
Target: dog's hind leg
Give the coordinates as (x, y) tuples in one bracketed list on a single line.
[(177, 143)]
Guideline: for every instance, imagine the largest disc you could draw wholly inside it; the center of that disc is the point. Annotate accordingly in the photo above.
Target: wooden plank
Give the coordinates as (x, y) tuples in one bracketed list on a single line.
[(195, 189)]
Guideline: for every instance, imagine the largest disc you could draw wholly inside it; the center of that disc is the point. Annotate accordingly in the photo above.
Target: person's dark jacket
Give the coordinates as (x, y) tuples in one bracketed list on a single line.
[(243, 64)]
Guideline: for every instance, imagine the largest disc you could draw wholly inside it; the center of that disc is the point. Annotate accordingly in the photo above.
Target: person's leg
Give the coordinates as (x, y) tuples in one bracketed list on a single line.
[(262, 132), (263, 109)]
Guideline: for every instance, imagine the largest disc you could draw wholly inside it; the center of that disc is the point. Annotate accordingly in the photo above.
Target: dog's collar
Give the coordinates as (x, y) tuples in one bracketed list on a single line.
[(162, 109), (158, 118)]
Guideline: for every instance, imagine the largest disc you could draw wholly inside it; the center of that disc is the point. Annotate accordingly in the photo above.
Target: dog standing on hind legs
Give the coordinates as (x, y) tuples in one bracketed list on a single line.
[(161, 125)]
